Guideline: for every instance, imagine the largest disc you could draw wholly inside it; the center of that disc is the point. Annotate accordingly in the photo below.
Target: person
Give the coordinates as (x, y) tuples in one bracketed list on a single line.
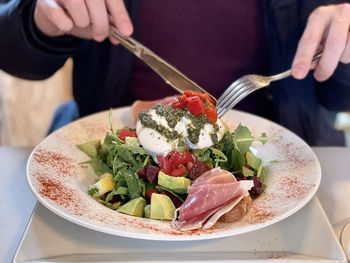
[(213, 42)]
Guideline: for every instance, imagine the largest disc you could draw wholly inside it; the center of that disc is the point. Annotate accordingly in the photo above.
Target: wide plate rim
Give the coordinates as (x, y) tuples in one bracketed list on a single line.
[(146, 236)]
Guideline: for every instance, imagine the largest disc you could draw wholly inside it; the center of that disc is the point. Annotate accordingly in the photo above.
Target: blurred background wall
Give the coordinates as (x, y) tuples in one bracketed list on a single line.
[(26, 107)]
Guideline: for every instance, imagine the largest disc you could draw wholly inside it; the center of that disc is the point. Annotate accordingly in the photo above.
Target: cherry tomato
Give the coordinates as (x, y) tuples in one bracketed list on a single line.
[(179, 171), (195, 105), (122, 133), (177, 158), (175, 163), (164, 163), (211, 114)]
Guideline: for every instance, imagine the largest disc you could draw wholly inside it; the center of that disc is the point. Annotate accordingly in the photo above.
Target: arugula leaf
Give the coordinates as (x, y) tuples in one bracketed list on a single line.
[(219, 156), (248, 172), (110, 117), (99, 166), (243, 138), (203, 155), (123, 192), (162, 188), (237, 160), (136, 187), (90, 148), (93, 191), (263, 138), (253, 161), (132, 148)]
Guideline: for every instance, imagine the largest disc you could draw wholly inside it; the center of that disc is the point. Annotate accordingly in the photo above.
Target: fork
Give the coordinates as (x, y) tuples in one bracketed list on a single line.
[(248, 84)]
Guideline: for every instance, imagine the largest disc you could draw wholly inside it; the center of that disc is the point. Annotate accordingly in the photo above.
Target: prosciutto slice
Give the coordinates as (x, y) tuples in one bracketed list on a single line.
[(211, 195)]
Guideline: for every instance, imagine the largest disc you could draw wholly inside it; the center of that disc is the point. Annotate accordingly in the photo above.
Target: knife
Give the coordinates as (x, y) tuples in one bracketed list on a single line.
[(169, 73)]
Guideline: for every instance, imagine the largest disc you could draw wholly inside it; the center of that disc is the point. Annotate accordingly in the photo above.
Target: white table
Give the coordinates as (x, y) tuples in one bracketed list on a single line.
[(17, 201)]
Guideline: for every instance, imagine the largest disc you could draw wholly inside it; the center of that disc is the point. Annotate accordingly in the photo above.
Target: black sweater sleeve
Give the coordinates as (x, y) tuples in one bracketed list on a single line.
[(24, 51), (334, 93)]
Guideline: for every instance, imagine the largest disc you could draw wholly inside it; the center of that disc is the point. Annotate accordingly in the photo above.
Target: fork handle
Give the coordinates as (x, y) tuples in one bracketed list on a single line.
[(316, 58)]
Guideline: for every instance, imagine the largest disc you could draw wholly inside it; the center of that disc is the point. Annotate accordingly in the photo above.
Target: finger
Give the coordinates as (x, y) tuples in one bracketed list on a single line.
[(99, 19), (55, 15), (80, 32), (334, 44), (77, 11), (120, 16), (345, 58), (113, 40), (310, 40)]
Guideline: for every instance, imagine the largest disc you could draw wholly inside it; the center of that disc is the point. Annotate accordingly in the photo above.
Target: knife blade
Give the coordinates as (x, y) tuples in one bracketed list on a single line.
[(169, 73)]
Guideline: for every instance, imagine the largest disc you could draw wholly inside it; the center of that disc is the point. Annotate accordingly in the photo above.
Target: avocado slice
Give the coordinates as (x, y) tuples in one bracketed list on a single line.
[(104, 185), (133, 141), (177, 184), (162, 207), (134, 207), (147, 211), (253, 161), (90, 148), (247, 172)]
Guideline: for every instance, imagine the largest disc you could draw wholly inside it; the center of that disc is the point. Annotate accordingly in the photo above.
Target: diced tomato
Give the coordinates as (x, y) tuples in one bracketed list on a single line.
[(195, 105), (190, 93), (122, 133), (182, 102), (164, 163), (203, 96), (175, 163), (149, 193), (208, 99), (179, 171), (177, 158), (177, 105), (189, 165), (211, 114)]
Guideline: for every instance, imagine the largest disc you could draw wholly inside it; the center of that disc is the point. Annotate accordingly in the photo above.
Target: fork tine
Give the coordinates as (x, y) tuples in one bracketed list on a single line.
[(230, 97), (237, 98), (224, 97), (247, 91), (221, 112), (225, 107), (233, 94)]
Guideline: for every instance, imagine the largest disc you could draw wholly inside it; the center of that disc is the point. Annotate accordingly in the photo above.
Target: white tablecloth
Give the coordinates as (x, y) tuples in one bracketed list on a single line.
[(17, 201)]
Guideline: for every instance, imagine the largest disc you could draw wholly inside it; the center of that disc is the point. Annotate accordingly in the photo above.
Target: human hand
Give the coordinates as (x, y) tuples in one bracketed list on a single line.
[(88, 19), (327, 26)]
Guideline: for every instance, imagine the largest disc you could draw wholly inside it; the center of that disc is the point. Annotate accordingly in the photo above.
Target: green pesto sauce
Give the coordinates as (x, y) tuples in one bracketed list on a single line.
[(173, 116)]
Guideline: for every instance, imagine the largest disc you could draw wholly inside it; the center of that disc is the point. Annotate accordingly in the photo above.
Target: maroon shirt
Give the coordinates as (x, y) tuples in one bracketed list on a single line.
[(211, 42)]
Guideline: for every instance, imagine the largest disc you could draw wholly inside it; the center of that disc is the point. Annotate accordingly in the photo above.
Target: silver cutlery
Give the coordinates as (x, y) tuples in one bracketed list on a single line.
[(248, 84), (169, 73)]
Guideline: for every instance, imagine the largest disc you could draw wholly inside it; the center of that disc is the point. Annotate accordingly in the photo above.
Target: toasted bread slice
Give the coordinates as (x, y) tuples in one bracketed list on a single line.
[(237, 212)]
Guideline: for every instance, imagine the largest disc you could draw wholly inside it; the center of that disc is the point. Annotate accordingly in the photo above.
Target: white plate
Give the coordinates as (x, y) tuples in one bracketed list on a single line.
[(307, 236), (61, 184), (345, 239)]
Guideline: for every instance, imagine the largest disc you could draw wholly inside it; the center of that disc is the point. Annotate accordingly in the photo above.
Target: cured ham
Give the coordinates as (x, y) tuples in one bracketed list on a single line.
[(212, 194)]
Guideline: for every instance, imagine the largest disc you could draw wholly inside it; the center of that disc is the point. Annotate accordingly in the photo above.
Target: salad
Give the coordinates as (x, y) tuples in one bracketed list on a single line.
[(180, 163)]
